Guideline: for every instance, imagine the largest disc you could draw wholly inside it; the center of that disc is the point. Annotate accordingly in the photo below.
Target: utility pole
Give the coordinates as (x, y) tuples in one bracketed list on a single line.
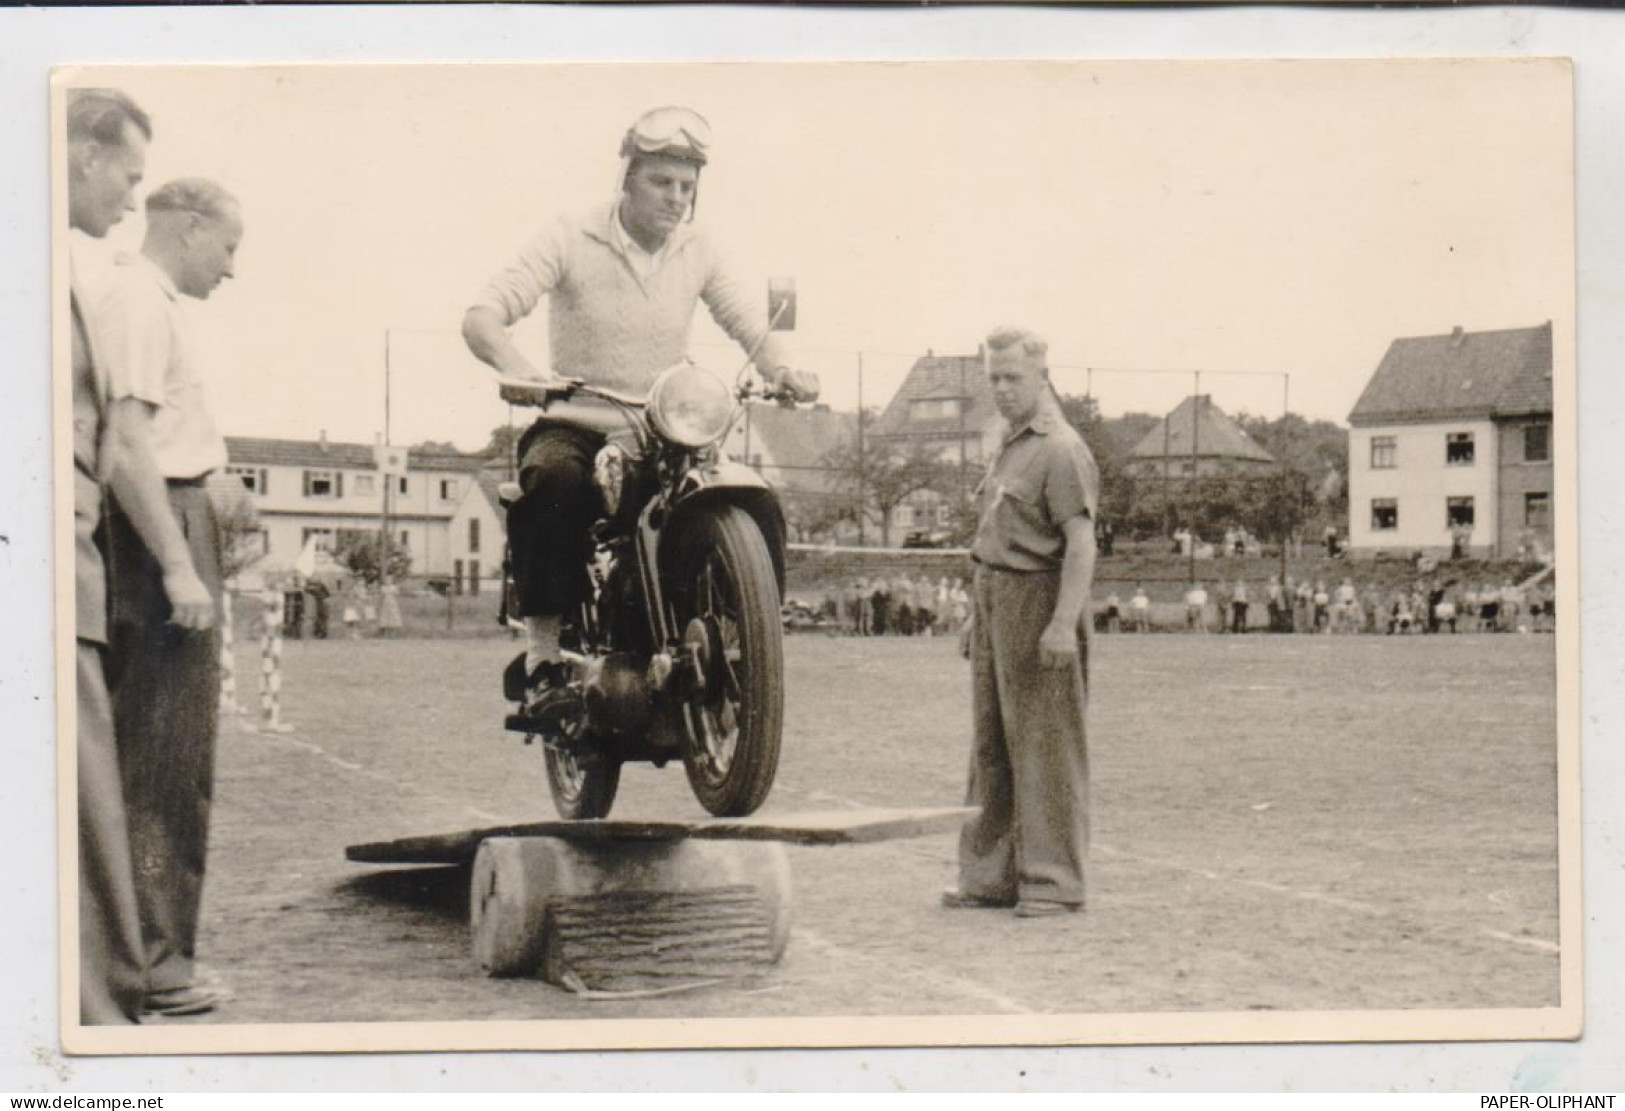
[(1196, 464), (388, 481), (964, 402), (863, 495), (1286, 410)]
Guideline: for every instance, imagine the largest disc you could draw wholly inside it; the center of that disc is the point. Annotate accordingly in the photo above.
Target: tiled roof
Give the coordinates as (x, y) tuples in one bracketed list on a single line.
[(1216, 435), (1462, 374), (245, 450), (488, 482), (939, 376)]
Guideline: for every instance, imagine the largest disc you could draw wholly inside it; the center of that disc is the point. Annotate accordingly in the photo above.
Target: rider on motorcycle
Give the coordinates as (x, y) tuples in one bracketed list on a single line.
[(622, 282)]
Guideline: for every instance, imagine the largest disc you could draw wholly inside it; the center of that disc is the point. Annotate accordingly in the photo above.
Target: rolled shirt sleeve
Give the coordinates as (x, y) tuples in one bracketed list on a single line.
[(1071, 481), (134, 335)]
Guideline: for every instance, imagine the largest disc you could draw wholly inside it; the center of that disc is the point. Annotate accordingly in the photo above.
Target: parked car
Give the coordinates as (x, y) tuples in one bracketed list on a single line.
[(923, 538)]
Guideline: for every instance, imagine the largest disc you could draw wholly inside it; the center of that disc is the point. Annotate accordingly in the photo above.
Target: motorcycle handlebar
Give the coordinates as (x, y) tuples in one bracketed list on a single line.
[(537, 392), (532, 391)]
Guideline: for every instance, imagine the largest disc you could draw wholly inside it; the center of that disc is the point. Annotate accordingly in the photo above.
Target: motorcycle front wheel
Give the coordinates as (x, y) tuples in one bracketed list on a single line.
[(583, 785), (725, 599)]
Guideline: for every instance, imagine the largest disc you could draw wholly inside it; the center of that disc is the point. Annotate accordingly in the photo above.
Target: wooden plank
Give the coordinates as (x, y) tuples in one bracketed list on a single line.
[(824, 827)]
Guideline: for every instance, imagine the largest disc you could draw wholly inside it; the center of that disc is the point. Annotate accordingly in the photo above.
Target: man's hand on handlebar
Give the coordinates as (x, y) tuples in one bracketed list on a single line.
[(538, 390), (790, 385)]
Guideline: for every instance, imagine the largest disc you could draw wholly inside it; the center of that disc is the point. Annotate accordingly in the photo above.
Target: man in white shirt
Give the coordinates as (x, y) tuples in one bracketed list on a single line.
[(1196, 608), (622, 284), (165, 680)]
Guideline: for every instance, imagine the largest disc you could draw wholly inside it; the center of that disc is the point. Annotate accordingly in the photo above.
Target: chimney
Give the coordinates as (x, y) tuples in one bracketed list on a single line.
[(1457, 337), (322, 442), (930, 353)]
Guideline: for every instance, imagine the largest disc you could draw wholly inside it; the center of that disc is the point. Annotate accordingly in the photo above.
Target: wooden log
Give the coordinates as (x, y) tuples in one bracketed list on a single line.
[(606, 915)]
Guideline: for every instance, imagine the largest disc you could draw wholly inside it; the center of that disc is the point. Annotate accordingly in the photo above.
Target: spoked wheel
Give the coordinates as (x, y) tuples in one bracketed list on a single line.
[(726, 604), (583, 783)]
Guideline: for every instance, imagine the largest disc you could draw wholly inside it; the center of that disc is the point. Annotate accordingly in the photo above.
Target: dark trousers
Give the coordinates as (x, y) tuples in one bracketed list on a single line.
[(166, 696), (1238, 617), (1029, 768), (112, 970), (548, 526)]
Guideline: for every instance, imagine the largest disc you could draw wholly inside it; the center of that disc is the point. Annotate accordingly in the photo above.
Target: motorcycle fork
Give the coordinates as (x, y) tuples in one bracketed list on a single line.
[(654, 600)]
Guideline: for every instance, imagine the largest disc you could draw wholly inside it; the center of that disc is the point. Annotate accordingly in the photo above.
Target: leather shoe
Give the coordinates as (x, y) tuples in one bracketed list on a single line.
[(954, 899), (193, 999), (1045, 908)]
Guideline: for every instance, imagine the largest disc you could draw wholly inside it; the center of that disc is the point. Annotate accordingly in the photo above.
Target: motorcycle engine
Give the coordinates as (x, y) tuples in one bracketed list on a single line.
[(617, 693)]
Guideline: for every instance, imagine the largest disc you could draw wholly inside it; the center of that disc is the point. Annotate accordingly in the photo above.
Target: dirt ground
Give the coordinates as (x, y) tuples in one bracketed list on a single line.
[(1278, 823)]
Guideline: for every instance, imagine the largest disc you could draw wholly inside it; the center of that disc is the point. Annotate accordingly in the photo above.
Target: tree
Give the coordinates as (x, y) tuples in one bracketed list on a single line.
[(357, 551), (886, 474), (1315, 457), (503, 442), (241, 543)]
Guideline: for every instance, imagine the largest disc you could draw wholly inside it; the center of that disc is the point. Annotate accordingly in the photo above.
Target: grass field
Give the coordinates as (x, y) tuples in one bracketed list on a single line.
[(1278, 823)]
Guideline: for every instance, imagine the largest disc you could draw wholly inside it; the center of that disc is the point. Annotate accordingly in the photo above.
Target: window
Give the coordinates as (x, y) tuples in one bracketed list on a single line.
[(456, 576), (323, 538), (1537, 511), (473, 576), (1537, 443), (1458, 449), (1384, 452), (942, 513), (366, 485), (406, 539), (473, 534), (1384, 514), (934, 408), (403, 484), (324, 484), (1458, 512), (448, 489), (253, 478), (905, 516)]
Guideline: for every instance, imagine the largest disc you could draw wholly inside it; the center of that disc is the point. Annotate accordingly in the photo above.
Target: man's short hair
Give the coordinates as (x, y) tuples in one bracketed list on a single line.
[(101, 114), (1032, 345), (197, 195)]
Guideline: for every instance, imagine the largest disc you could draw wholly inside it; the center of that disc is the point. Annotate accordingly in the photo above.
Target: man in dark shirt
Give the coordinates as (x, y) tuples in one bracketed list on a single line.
[(1035, 556)]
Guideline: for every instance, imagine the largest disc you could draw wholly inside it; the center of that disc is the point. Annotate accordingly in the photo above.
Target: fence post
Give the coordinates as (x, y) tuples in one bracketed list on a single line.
[(271, 666)]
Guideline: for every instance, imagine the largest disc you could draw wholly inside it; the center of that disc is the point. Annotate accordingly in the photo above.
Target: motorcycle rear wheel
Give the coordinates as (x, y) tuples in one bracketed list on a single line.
[(726, 602)]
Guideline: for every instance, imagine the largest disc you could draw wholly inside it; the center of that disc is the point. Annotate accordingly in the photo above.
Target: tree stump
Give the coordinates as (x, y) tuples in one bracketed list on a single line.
[(628, 915)]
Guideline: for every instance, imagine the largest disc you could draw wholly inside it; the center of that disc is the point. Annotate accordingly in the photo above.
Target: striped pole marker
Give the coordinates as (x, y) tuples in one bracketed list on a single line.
[(271, 667), (228, 658)]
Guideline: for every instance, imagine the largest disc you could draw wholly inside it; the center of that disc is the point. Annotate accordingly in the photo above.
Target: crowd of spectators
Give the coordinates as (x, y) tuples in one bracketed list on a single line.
[(1312, 606), (897, 606)]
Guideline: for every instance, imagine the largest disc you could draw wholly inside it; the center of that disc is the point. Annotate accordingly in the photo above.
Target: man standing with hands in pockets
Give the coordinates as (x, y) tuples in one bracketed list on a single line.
[(1035, 558)]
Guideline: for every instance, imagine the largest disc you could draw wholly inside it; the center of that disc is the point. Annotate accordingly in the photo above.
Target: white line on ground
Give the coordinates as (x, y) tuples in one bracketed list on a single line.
[(1355, 905)]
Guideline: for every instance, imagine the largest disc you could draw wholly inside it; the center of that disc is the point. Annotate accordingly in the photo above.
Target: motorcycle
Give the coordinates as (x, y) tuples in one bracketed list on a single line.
[(677, 653)]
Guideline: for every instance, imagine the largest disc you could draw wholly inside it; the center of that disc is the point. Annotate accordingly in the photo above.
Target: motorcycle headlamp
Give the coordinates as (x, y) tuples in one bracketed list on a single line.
[(689, 405)]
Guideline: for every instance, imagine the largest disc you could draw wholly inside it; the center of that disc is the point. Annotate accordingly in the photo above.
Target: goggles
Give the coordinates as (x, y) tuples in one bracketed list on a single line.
[(673, 132)]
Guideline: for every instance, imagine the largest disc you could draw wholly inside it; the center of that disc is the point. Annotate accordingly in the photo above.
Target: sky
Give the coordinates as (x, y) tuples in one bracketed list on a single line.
[(1249, 220)]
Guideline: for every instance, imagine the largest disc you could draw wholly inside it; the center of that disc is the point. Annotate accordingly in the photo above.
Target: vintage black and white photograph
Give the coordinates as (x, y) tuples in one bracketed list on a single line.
[(787, 554)]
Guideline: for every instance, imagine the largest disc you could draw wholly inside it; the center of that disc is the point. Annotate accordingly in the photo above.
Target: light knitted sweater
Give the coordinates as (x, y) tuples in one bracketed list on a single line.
[(608, 327)]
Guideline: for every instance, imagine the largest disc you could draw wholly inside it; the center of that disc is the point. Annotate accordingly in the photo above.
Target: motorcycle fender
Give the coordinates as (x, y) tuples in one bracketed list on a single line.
[(727, 482)]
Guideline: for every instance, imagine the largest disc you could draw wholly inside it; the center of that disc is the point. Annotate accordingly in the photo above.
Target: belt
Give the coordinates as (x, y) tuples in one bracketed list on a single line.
[(200, 480)]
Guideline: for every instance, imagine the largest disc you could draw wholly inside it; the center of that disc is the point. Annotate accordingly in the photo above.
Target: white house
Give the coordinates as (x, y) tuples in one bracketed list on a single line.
[(475, 534), (1451, 441), (305, 489)]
